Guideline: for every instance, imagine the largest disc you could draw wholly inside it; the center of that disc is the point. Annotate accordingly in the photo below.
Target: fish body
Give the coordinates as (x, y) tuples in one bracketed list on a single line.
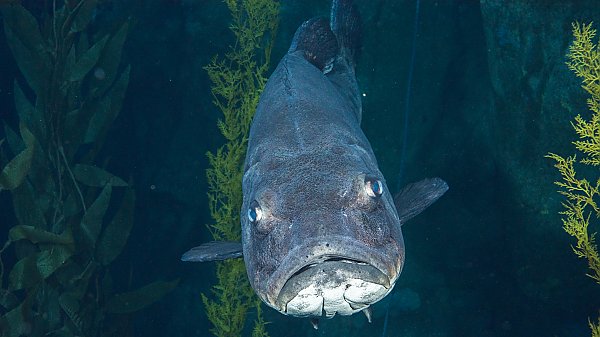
[(321, 234)]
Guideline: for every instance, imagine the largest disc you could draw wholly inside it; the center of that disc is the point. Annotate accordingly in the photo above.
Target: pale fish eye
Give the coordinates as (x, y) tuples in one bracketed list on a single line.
[(254, 212), (374, 187)]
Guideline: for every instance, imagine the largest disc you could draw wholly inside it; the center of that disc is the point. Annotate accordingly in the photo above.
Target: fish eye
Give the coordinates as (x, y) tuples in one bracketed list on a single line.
[(374, 187), (254, 212)]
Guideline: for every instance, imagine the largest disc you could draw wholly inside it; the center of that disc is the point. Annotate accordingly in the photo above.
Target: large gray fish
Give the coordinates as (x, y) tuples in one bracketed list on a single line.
[(320, 230)]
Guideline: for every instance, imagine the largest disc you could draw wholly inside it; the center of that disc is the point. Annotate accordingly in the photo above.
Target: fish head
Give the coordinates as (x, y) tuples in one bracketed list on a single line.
[(320, 233)]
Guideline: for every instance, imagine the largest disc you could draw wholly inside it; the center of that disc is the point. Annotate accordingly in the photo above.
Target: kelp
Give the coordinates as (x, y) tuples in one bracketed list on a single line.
[(238, 79), (73, 216), (580, 194)]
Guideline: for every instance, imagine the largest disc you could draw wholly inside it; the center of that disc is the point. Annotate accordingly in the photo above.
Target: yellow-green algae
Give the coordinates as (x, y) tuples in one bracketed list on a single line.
[(238, 79), (583, 59)]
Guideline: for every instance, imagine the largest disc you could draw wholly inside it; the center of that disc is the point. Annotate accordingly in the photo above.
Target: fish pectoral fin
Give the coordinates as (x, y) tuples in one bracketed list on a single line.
[(415, 197), (213, 251)]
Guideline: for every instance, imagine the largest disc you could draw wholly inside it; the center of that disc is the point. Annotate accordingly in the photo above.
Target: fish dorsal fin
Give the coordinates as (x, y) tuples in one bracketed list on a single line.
[(317, 42), (213, 251), (415, 197)]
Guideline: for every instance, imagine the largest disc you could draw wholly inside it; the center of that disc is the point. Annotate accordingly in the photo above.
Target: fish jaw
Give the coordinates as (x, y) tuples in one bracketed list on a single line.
[(333, 275)]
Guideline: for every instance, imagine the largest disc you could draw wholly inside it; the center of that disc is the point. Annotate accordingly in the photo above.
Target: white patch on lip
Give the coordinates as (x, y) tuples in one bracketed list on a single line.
[(347, 298)]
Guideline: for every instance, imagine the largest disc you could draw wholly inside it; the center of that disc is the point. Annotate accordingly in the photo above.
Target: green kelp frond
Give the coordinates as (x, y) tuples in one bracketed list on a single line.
[(238, 80), (72, 216), (583, 59)]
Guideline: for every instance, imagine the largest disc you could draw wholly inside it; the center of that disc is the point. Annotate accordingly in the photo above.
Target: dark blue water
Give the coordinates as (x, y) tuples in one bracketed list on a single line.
[(490, 95)]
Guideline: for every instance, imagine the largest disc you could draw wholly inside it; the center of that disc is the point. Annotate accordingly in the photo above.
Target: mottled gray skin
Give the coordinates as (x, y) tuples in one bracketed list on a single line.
[(320, 230), (306, 166)]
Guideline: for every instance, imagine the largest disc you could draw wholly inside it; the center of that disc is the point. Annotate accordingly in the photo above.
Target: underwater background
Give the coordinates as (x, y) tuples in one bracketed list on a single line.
[(489, 96)]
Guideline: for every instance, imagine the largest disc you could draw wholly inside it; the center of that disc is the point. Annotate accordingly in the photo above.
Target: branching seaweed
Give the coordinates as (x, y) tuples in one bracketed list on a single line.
[(64, 241), (238, 79), (583, 59), (595, 327)]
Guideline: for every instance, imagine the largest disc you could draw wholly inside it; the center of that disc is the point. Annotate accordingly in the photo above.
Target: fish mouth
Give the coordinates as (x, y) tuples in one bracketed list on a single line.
[(332, 283), (337, 285)]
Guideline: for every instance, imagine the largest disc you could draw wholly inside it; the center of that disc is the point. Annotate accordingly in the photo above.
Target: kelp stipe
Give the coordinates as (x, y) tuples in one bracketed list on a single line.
[(238, 79), (581, 195), (73, 217)]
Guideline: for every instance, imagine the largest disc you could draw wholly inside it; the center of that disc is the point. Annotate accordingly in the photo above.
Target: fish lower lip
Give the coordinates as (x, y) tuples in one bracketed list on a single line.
[(385, 261), (329, 276)]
